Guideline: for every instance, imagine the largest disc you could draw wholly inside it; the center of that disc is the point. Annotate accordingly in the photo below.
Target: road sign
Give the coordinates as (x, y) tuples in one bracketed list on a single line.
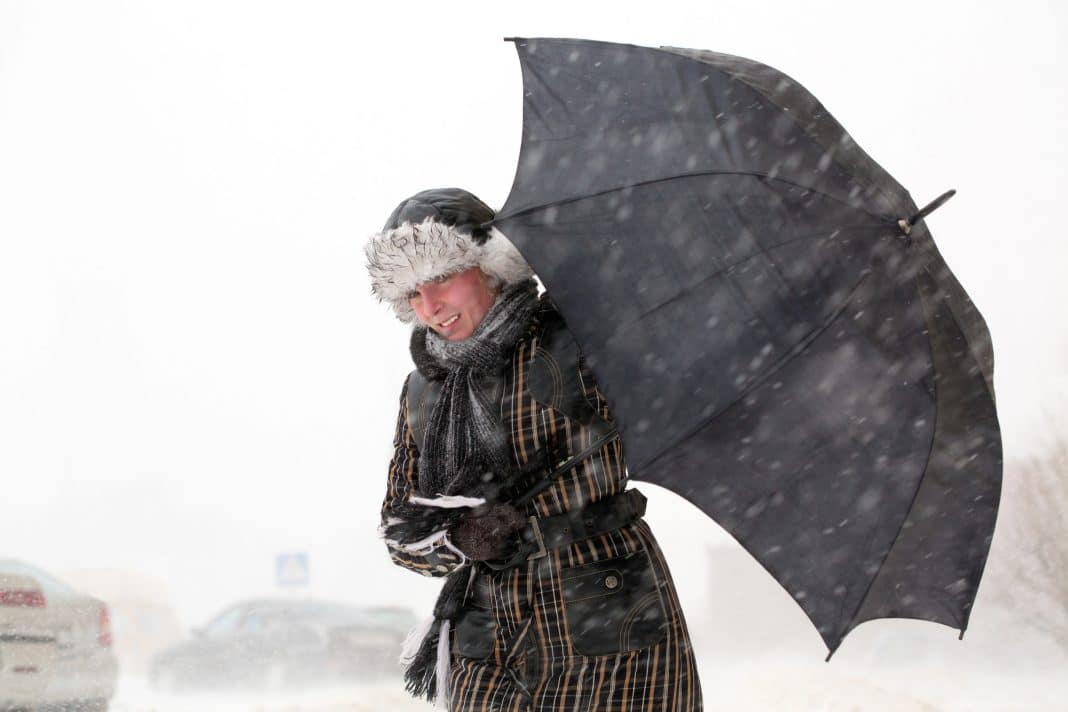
[(291, 569)]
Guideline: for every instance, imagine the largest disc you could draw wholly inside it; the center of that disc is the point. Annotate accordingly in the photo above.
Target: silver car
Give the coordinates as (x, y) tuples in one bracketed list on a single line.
[(55, 644)]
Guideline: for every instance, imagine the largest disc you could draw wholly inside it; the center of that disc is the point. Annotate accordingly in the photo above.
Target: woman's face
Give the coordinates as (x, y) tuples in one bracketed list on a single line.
[(455, 305)]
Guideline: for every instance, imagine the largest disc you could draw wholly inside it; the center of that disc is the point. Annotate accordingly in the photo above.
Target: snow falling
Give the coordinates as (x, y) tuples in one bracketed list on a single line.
[(198, 394)]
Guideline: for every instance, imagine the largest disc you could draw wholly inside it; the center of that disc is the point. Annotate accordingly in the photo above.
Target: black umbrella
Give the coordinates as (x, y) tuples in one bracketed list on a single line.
[(779, 338)]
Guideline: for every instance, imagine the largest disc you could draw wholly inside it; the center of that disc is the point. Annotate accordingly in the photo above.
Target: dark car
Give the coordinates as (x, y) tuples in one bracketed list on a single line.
[(276, 644)]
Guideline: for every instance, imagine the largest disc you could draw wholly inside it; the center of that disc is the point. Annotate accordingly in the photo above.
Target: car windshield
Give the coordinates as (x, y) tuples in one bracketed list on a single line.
[(49, 585), (225, 624), (256, 617)]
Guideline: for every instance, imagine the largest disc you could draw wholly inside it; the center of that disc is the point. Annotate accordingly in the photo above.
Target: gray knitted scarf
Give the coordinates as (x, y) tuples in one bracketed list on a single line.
[(464, 444)]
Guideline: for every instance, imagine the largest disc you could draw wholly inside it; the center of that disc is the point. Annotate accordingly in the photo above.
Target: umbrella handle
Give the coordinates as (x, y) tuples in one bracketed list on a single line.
[(906, 223)]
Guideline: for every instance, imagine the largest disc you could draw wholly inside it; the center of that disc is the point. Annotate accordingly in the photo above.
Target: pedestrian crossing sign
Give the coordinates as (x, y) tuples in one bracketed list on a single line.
[(291, 569)]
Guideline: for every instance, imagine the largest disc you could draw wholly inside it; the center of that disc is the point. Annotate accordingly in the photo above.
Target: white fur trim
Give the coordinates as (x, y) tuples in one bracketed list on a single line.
[(502, 261), (401, 259)]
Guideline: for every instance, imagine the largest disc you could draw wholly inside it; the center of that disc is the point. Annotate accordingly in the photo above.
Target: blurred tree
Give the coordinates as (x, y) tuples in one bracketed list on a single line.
[(1030, 558)]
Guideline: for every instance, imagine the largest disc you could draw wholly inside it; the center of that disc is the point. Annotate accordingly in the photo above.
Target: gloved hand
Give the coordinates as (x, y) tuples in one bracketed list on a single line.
[(488, 536)]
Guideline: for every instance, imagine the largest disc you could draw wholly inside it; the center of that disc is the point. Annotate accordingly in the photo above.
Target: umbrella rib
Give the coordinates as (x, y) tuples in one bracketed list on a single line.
[(772, 370), (912, 503), (694, 174), (988, 389), (727, 268)]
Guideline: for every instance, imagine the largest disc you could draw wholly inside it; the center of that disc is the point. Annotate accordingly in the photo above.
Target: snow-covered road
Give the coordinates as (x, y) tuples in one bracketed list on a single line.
[(745, 688)]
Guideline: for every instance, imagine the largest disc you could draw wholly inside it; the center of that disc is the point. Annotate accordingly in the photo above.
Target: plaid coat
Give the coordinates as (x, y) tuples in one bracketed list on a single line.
[(591, 626)]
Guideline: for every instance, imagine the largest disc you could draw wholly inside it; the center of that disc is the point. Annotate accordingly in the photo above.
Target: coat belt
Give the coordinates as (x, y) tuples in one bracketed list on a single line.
[(544, 534)]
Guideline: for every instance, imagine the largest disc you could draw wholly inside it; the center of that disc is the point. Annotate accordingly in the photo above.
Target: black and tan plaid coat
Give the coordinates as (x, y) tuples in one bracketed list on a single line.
[(592, 626)]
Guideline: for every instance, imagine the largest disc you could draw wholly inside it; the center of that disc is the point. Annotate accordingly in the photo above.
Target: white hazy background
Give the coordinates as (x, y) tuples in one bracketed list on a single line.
[(193, 376)]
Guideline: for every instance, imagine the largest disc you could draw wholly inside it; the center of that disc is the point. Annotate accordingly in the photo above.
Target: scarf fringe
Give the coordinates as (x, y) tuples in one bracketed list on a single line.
[(422, 546), (417, 529), (420, 675), (448, 501), (441, 671), (426, 650), (414, 641)]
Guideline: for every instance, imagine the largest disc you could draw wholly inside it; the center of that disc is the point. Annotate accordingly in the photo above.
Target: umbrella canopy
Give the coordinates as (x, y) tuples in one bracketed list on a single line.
[(779, 342)]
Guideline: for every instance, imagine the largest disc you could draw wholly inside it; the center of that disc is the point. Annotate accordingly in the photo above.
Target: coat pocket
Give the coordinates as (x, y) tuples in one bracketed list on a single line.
[(614, 605), (474, 634)]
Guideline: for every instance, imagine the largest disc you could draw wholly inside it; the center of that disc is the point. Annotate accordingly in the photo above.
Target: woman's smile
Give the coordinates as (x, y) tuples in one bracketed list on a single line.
[(455, 305)]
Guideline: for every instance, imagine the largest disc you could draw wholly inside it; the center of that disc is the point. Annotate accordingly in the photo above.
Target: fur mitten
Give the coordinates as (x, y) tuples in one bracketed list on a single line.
[(488, 536)]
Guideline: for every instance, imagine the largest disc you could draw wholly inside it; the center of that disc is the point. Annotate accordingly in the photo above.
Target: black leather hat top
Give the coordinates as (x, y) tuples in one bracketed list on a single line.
[(451, 206)]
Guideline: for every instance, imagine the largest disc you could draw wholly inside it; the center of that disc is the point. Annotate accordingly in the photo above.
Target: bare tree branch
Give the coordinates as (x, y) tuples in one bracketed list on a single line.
[(1030, 559)]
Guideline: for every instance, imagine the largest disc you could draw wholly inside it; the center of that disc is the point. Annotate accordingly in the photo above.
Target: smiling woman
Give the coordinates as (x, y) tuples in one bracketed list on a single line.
[(508, 479), (454, 305)]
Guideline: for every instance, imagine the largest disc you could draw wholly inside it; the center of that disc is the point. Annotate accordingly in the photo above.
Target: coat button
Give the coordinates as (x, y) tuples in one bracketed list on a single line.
[(611, 581)]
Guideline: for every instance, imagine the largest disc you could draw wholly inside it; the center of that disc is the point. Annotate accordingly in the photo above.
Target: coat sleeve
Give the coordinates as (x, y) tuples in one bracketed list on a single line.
[(437, 560)]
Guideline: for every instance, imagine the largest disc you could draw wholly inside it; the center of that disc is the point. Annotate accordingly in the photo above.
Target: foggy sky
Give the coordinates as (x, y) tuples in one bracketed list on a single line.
[(193, 375)]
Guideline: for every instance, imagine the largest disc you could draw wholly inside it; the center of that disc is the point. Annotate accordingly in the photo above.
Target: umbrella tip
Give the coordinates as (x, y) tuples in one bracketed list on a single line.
[(906, 224)]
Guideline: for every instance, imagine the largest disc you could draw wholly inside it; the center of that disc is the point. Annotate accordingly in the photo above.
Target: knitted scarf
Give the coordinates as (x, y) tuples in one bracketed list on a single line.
[(464, 447), (464, 443)]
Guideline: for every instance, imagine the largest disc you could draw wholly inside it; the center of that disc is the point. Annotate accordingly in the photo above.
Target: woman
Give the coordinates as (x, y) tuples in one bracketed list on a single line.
[(508, 479)]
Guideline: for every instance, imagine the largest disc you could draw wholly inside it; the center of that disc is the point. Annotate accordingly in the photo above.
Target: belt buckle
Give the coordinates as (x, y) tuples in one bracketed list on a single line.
[(533, 521)]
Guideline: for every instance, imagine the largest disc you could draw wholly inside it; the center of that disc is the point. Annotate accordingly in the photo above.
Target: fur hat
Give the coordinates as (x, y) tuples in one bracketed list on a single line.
[(431, 235)]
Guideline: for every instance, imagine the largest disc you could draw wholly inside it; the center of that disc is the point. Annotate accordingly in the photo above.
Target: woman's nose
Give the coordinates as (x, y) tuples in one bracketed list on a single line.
[(432, 299)]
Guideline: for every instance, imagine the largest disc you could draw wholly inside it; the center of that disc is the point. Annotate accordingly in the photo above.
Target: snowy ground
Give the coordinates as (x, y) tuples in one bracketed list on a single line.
[(135, 696), (846, 689), (756, 652), (770, 685)]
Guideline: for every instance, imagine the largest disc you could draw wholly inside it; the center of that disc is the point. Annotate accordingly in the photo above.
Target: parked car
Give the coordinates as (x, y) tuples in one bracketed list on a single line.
[(282, 643), (55, 643)]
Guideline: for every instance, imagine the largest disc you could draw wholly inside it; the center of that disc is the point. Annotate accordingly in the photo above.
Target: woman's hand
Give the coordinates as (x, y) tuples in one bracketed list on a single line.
[(488, 536)]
